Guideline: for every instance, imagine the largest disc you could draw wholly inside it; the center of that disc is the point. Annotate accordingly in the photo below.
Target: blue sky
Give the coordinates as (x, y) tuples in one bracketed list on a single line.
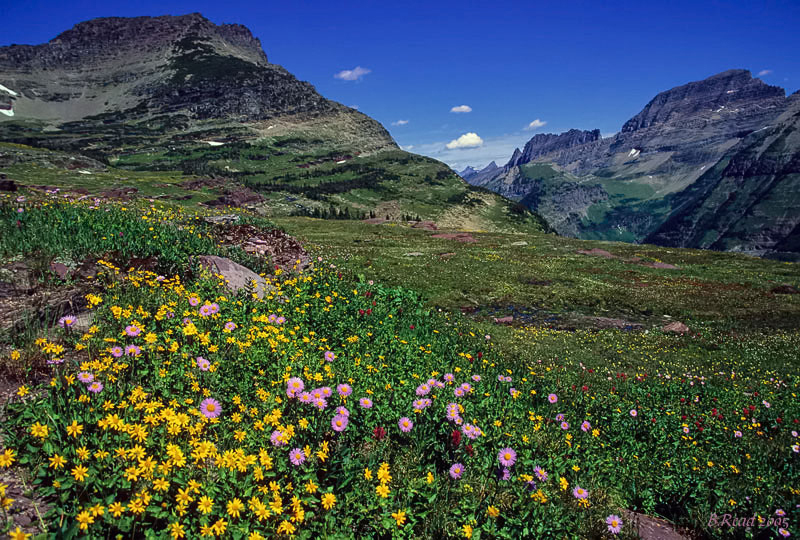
[(568, 64)]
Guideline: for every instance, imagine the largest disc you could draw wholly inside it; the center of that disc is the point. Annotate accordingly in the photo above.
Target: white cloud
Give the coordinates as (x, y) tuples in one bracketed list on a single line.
[(467, 140), (536, 124), (352, 74), (407, 147), (461, 109), (400, 123), (764, 72), (498, 149)]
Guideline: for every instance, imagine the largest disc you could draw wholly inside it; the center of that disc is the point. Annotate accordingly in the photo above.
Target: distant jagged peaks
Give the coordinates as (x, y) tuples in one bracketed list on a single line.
[(546, 143), (733, 89)]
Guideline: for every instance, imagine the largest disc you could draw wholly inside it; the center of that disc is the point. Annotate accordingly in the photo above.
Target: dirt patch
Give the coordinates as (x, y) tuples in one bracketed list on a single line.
[(426, 225), (459, 237), (596, 252), (283, 250), (237, 197), (651, 528), (785, 289)]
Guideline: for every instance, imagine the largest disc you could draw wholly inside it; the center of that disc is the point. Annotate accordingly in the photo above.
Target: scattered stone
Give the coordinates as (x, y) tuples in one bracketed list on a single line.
[(222, 220), (607, 323), (460, 237), (446, 255), (597, 252), (427, 225), (123, 193), (663, 266), (237, 197), (650, 528), (676, 327), (8, 185), (236, 276), (59, 269), (785, 288), (414, 254), (508, 319), (521, 243)]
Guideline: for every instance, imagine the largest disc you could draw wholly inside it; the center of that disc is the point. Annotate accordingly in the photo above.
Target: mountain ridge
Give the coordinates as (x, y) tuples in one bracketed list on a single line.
[(623, 187)]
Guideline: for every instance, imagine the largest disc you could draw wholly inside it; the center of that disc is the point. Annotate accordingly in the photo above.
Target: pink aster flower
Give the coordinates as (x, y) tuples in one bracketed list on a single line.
[(230, 326), (66, 321), (326, 391), (194, 301), (210, 408), (633, 413), (421, 404), (344, 390), (85, 377), (456, 470), (205, 310), (737, 434), (214, 308), (343, 411), (423, 390), (294, 387), (95, 387), (580, 493), (565, 425), (203, 364), (614, 524), (277, 438), (586, 426), (559, 417), (133, 350), (365, 403), (320, 403), (552, 398), (783, 532), (329, 356), (339, 422), (297, 457), (280, 320), (132, 330), (476, 378), (405, 424), (116, 352), (305, 397), (448, 377), (540, 473), (458, 392), (507, 457)]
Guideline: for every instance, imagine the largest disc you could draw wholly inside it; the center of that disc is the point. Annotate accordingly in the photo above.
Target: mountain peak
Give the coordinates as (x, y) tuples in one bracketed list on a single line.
[(734, 90)]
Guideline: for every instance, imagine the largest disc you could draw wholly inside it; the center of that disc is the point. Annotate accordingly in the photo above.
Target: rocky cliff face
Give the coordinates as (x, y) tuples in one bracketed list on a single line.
[(548, 143), (178, 70), (749, 201), (648, 168)]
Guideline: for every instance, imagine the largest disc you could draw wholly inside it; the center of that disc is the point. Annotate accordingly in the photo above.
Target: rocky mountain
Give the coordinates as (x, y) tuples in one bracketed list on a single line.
[(155, 76), (180, 108), (475, 177), (548, 143), (749, 201), (625, 187)]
